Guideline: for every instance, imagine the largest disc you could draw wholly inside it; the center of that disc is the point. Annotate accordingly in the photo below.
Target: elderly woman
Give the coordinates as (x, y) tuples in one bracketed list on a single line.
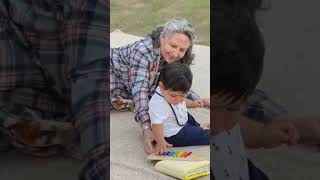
[(134, 69)]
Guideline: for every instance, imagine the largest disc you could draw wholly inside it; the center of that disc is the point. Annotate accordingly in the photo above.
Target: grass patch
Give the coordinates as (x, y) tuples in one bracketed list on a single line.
[(140, 17)]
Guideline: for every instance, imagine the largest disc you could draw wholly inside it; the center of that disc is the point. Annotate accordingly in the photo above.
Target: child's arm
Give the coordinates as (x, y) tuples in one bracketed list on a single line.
[(162, 144)]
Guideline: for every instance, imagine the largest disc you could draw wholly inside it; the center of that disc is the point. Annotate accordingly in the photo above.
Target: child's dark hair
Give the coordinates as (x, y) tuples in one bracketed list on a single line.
[(238, 51), (176, 77)]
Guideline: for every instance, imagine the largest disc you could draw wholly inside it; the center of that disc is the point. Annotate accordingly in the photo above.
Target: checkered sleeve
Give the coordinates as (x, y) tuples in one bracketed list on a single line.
[(86, 49), (139, 80), (192, 95)]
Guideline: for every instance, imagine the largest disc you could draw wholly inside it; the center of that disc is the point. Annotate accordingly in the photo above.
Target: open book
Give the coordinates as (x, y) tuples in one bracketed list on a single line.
[(183, 169)]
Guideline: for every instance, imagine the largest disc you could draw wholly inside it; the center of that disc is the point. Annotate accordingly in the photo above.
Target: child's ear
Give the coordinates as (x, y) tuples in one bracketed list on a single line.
[(161, 86)]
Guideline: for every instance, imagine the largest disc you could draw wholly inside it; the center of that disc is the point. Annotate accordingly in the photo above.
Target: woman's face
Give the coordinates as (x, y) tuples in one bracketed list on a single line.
[(173, 47)]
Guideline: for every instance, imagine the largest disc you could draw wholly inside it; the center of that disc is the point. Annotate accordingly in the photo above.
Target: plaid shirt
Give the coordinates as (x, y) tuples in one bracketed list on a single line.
[(53, 58), (135, 75)]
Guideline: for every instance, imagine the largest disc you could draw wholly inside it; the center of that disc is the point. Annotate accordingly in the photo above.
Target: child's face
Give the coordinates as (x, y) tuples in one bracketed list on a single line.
[(225, 114), (172, 97)]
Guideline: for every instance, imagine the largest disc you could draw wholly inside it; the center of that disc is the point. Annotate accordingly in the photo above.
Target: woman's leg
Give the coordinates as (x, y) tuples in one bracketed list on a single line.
[(119, 98), (30, 132)]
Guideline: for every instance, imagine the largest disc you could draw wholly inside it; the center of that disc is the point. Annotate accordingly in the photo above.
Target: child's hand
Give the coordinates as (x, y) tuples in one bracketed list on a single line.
[(161, 147), (205, 125)]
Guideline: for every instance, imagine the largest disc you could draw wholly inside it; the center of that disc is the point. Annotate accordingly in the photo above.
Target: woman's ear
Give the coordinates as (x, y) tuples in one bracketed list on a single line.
[(162, 36)]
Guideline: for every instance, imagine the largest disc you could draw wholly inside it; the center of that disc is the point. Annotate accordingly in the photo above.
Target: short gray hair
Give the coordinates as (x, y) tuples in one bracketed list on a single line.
[(179, 25)]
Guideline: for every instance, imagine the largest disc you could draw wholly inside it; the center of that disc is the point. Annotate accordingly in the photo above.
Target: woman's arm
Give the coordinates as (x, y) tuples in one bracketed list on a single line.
[(148, 137), (193, 100), (196, 103), (140, 62)]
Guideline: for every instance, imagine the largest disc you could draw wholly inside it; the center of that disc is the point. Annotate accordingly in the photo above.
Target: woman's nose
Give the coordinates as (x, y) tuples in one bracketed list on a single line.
[(175, 53)]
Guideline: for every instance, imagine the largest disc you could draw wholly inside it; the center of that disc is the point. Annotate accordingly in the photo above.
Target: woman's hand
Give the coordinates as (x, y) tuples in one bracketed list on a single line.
[(206, 102), (201, 103), (198, 103), (148, 141), (162, 147)]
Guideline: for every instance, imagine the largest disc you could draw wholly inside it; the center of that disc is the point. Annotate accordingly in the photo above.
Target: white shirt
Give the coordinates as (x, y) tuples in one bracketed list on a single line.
[(160, 112), (229, 159)]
